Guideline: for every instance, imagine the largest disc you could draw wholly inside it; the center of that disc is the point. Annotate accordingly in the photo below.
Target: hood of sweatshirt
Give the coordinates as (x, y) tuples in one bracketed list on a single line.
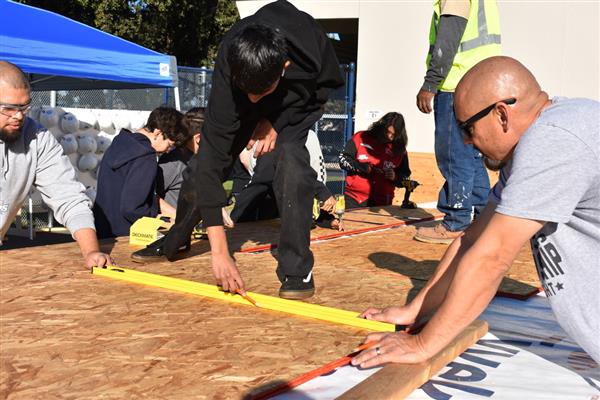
[(303, 35), (128, 146)]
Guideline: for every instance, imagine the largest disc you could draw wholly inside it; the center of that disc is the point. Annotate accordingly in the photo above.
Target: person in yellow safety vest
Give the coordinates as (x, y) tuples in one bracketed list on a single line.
[(462, 33)]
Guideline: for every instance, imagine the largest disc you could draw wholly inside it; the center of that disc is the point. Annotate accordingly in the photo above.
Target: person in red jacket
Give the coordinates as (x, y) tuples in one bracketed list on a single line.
[(376, 162)]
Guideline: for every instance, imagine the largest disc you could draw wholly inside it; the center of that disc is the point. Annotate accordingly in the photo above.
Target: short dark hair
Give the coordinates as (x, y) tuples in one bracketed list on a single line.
[(379, 128), (195, 120), (256, 58), (170, 122)]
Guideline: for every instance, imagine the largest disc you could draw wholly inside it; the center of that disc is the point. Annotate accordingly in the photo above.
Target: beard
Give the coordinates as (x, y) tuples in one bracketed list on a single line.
[(10, 136), (493, 165)]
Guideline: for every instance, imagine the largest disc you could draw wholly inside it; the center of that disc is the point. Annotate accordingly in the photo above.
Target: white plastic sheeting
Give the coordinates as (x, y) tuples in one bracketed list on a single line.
[(526, 355)]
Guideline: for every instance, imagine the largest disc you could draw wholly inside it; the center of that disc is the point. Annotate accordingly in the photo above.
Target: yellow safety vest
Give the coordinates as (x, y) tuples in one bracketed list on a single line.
[(480, 40)]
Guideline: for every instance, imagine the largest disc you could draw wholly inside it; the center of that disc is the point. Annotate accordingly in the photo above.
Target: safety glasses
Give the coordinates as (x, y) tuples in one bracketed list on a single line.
[(10, 110)]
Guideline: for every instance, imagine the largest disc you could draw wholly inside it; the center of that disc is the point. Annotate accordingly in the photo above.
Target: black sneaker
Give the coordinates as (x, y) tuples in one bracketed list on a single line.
[(297, 288), (154, 252)]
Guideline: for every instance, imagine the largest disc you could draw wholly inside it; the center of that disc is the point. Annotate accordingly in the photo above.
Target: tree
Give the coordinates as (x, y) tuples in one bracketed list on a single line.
[(188, 29)]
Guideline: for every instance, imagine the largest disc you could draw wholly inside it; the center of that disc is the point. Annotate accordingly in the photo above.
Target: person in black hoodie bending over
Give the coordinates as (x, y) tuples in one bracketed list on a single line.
[(126, 179), (272, 77)]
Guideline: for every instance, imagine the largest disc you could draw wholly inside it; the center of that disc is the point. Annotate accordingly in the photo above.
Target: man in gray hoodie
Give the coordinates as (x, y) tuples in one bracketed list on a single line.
[(31, 157)]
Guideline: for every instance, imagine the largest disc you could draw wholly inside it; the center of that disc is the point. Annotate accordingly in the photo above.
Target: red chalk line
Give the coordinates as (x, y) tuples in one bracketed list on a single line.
[(272, 246)]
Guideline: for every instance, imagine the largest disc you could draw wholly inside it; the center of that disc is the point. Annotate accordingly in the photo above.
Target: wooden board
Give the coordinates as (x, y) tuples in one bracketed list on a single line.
[(397, 381), (357, 221), (261, 235), (65, 332), (393, 253)]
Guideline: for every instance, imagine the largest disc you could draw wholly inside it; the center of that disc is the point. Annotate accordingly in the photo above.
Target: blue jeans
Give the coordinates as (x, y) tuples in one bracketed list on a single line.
[(467, 183)]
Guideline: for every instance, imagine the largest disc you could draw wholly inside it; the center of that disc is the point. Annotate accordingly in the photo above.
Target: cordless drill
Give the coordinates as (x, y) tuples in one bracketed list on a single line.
[(409, 185)]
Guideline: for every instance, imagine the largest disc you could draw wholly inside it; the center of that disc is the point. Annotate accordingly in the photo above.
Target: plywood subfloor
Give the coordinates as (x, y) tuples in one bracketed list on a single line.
[(247, 236), (67, 333), (393, 253)]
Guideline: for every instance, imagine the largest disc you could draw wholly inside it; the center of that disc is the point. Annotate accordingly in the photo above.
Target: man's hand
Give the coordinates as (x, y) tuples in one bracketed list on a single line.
[(424, 100), (90, 250), (226, 273), (266, 137), (394, 315), (338, 225), (329, 205), (389, 173), (97, 259), (227, 221), (396, 347)]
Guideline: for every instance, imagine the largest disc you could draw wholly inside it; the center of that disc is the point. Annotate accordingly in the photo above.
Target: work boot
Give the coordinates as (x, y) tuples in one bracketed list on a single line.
[(436, 234), (154, 252), (297, 288)]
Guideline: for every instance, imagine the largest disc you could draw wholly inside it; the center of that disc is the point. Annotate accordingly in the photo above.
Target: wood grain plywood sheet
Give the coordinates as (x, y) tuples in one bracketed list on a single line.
[(260, 235), (246, 236), (393, 253), (68, 334)]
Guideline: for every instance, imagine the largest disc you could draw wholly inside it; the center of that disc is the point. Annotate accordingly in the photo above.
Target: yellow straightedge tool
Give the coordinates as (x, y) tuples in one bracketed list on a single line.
[(268, 302)]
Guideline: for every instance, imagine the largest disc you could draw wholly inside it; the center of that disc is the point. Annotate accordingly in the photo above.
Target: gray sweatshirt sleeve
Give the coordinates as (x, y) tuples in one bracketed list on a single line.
[(56, 180), (450, 31)]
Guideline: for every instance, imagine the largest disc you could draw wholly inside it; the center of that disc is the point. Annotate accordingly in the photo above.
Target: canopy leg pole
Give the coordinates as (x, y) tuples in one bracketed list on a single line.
[(176, 94)]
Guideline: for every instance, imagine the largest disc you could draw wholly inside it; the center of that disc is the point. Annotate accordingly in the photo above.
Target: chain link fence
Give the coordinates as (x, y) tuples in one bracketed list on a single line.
[(107, 99), (194, 86)]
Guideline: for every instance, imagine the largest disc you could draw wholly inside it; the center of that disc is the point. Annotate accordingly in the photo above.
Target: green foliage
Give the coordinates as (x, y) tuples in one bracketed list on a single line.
[(188, 29)]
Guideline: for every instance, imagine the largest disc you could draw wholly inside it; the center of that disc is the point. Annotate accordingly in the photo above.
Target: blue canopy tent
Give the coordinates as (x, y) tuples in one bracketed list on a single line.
[(59, 53)]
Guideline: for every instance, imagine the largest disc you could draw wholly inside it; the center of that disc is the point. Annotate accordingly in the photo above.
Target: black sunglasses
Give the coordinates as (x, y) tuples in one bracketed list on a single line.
[(465, 127)]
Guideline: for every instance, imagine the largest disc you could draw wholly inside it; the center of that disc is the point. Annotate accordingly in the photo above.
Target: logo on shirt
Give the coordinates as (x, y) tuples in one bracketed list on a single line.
[(3, 208), (548, 262), (388, 164)]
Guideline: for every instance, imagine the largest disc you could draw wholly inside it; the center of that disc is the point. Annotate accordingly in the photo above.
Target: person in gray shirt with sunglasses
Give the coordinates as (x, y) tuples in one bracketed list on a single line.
[(548, 194)]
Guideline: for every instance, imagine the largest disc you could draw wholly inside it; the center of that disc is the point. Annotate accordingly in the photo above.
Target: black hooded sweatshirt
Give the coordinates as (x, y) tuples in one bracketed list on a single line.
[(292, 109), (126, 188)]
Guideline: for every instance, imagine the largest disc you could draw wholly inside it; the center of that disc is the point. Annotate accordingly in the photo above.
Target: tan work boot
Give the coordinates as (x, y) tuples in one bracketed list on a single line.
[(436, 234)]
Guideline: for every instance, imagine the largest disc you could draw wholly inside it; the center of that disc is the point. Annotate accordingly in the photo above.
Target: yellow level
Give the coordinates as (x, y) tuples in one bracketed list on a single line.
[(268, 302)]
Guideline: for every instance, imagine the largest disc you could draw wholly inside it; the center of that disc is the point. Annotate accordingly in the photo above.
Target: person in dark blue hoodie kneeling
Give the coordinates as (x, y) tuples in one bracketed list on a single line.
[(126, 179)]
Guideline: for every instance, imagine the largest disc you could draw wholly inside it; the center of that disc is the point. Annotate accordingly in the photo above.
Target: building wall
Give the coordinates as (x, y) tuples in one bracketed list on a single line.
[(558, 40)]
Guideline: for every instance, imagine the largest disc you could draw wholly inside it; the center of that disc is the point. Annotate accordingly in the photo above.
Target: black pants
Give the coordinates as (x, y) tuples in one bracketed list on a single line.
[(256, 200), (294, 192), (293, 185), (352, 203)]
